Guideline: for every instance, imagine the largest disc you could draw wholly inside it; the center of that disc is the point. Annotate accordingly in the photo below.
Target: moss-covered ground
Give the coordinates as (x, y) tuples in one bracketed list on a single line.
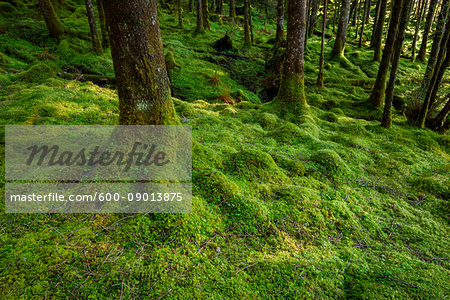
[(329, 205)]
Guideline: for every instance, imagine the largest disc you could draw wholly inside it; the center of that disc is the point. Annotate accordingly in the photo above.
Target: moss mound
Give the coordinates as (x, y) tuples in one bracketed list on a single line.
[(37, 73), (329, 162), (267, 120)]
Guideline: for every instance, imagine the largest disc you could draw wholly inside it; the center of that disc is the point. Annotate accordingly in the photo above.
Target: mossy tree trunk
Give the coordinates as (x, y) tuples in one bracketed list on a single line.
[(219, 7), (190, 7), (341, 35), (247, 39), (437, 40), (52, 21), (421, 9), (102, 19), (199, 27), (387, 113), (180, 13), (321, 59), (378, 37), (232, 11), (439, 120), (379, 88), (430, 16), (280, 22), (205, 15), (137, 52), (96, 45), (291, 94)]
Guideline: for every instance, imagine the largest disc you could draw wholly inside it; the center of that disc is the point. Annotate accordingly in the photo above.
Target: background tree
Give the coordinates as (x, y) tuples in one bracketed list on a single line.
[(291, 94), (404, 19), (96, 45), (366, 9), (341, 35), (232, 11), (379, 29), (54, 26), (375, 21), (180, 13), (321, 59), (137, 52), (219, 7), (199, 27), (205, 15), (379, 88), (247, 39), (280, 22), (102, 21), (314, 8), (423, 47), (421, 11)]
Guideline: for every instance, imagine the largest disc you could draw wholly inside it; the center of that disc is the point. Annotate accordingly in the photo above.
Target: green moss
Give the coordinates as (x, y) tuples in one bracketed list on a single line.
[(267, 121), (330, 117), (37, 73), (329, 162), (6, 9)]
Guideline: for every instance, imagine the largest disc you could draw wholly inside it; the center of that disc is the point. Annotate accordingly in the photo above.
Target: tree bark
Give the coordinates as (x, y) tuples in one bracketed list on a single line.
[(190, 7), (291, 93), (378, 38), (439, 120), (423, 47), (378, 91), (54, 26), (421, 9), (321, 59), (205, 15), (387, 113), (366, 8), (313, 17), (280, 22), (375, 21), (341, 35), (102, 19), (199, 27), (247, 40), (137, 52), (232, 10), (219, 7), (358, 13), (96, 45)]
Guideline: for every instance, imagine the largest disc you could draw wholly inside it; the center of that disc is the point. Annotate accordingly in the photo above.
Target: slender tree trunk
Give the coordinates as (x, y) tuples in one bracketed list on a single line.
[(369, 5), (313, 17), (219, 7), (366, 8), (421, 9), (247, 40), (205, 14), (321, 59), (180, 13), (387, 113), (138, 56), (199, 27), (423, 47), (439, 120), (335, 15), (378, 38), (213, 6), (280, 22), (190, 7), (358, 13), (291, 94), (232, 10), (250, 21), (437, 41), (378, 91), (341, 36), (375, 22), (353, 11), (96, 45), (54, 26), (102, 20)]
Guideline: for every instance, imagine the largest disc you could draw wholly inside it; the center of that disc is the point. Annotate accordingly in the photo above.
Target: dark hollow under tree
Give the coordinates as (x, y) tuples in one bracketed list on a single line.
[(379, 88), (341, 35), (137, 52), (52, 21), (96, 45)]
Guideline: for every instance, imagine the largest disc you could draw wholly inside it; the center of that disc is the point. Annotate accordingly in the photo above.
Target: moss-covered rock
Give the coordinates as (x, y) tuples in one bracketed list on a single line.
[(286, 133), (37, 73), (329, 162), (267, 120)]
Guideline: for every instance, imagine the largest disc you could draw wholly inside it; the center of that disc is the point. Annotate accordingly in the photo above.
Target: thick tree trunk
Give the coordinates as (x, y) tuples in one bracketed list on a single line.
[(437, 40), (387, 113), (205, 14), (102, 19), (378, 38), (421, 9), (341, 35), (291, 93), (361, 35), (378, 91), (423, 47), (321, 59), (199, 27), (96, 45), (280, 22), (247, 40), (232, 10), (313, 17), (137, 52), (54, 26)]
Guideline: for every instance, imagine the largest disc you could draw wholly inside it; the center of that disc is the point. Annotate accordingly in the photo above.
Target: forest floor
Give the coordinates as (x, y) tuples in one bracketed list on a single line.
[(331, 206)]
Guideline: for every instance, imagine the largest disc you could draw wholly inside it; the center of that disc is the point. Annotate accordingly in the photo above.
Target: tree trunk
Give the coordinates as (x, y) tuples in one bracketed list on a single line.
[(353, 9), (439, 120), (335, 15), (138, 56), (378, 38), (199, 27), (375, 22), (250, 21), (291, 94), (205, 14), (366, 8), (437, 40), (358, 13), (423, 47), (313, 17), (96, 45), (378, 90), (387, 113), (341, 35), (102, 20), (190, 7), (280, 22), (219, 7), (321, 59), (232, 10), (421, 9), (54, 26), (247, 40), (180, 13)]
